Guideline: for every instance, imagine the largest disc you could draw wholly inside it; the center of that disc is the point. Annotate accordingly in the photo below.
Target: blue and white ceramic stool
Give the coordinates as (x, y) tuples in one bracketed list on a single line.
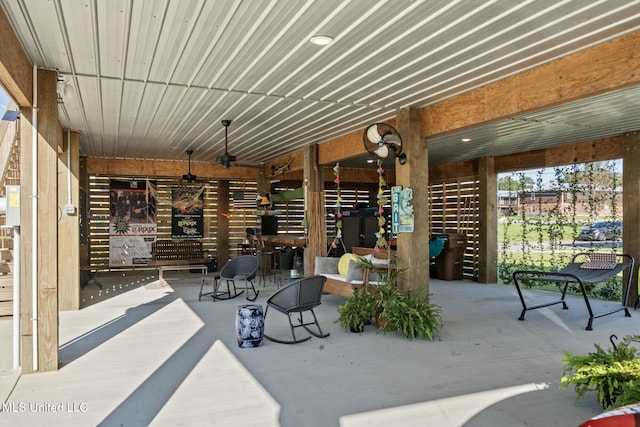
[(249, 325)]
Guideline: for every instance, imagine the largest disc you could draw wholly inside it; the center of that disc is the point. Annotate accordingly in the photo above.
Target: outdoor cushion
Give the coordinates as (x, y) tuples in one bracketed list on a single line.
[(600, 261), (354, 272), (376, 261), (326, 265)]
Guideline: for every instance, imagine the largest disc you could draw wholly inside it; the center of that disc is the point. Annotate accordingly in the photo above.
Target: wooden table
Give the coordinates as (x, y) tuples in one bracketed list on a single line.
[(293, 240)]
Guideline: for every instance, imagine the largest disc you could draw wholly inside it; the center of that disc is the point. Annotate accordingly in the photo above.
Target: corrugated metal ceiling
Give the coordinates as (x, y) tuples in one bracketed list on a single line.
[(154, 78)]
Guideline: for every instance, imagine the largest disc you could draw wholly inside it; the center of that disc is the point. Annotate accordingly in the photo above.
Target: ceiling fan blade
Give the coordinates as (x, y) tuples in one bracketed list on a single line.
[(382, 151), (372, 134), (189, 177), (226, 159), (392, 138)]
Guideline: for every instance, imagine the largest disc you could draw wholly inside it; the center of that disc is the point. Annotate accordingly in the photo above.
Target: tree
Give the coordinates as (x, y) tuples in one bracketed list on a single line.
[(598, 182), (509, 183)]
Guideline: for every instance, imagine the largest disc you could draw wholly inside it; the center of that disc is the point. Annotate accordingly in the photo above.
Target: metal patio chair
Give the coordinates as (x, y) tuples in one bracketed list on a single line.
[(299, 296), (244, 267)]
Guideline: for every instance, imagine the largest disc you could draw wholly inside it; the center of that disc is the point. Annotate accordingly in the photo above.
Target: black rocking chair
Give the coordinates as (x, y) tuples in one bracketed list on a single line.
[(244, 267), (298, 297)]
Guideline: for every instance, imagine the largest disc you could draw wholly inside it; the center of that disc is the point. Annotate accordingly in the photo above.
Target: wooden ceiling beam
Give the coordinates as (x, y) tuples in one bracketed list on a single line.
[(584, 74), (16, 70), (125, 167), (345, 147), (342, 148), (130, 167), (598, 150), (283, 167)]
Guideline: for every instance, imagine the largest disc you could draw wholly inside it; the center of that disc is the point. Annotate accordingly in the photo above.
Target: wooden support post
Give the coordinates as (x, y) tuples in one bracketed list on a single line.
[(631, 205), (413, 248), (68, 225), (263, 184), (222, 238), (315, 209), (488, 231), (45, 325)]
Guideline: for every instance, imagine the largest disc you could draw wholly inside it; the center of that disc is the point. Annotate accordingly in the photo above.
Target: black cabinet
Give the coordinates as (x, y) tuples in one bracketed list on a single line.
[(359, 229)]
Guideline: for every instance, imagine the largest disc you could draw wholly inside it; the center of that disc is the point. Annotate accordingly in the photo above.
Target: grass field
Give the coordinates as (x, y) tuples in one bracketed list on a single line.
[(533, 232)]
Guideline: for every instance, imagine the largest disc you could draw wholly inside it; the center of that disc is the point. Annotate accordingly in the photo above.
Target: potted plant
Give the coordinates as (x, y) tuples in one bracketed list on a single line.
[(614, 373), (382, 295), (386, 278), (412, 315), (356, 311)]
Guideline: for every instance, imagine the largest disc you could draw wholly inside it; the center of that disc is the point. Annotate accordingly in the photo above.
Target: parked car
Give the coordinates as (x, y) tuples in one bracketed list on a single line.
[(603, 230)]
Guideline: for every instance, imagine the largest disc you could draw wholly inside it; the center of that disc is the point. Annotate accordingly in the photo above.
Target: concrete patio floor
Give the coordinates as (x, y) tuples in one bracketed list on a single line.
[(142, 354)]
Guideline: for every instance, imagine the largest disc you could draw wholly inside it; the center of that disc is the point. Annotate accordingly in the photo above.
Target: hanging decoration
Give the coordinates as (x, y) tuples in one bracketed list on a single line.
[(381, 242), (224, 214), (338, 238), (280, 170)]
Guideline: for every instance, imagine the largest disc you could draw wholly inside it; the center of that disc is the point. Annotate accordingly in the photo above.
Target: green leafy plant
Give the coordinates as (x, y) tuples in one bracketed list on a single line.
[(613, 373), (412, 315), (357, 311), (385, 289)]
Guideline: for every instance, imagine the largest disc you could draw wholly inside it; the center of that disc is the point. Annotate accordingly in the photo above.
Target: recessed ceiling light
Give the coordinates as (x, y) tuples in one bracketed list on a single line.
[(466, 139), (370, 160), (321, 40)]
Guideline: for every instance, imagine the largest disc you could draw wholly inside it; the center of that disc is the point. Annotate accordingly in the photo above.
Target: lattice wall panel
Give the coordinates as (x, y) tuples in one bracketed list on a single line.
[(454, 209), (98, 216)]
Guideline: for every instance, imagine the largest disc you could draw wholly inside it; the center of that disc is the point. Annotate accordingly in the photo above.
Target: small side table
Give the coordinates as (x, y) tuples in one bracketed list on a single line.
[(215, 277)]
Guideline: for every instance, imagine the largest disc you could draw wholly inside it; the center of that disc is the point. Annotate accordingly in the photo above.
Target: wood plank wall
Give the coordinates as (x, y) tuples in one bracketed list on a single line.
[(98, 217), (454, 208), (290, 221)]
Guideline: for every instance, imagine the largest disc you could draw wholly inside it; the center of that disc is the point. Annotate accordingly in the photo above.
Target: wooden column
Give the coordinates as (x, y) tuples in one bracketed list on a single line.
[(46, 261), (488, 232), (68, 225), (631, 205), (222, 239), (413, 248), (263, 184), (315, 209)]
